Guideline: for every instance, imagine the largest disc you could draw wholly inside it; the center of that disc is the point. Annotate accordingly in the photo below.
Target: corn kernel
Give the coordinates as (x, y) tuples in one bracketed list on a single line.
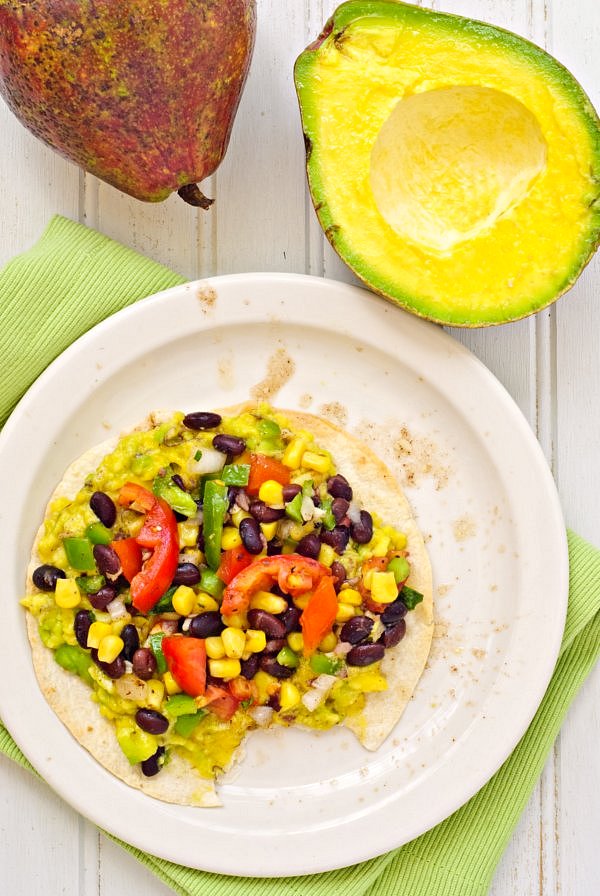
[(351, 596), (234, 641), (237, 515), (289, 695), (109, 648), (399, 540), (296, 641), (326, 555), (292, 456), (67, 594), (97, 631), (266, 684), (384, 588), (215, 649), (171, 686), (155, 691), (328, 643), (271, 492), (188, 534), (230, 538), (205, 602), (272, 603), (269, 530), (236, 620), (317, 462), (183, 600), (226, 669), (302, 600), (380, 544), (255, 641), (367, 578), (344, 612), (296, 531)]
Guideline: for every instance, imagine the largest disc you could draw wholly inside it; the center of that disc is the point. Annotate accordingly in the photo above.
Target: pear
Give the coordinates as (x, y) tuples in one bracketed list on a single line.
[(143, 95)]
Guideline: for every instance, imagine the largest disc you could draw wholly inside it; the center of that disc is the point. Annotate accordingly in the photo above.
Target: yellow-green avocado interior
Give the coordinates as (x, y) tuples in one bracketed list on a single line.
[(454, 166)]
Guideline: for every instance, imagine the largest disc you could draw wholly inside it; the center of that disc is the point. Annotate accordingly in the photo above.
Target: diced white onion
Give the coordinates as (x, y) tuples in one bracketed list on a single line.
[(242, 500), (353, 513), (262, 715), (117, 608), (312, 699), (307, 508), (342, 648), (169, 626), (324, 682), (211, 462), (130, 687)]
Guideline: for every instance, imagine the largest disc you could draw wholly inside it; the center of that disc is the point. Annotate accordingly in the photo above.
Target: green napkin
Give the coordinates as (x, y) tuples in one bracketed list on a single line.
[(74, 278)]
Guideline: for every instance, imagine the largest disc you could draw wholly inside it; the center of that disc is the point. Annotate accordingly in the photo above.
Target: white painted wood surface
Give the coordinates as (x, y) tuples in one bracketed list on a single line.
[(263, 220)]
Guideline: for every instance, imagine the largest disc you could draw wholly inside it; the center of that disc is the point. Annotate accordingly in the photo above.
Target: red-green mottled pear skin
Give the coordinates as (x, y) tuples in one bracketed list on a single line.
[(143, 95)]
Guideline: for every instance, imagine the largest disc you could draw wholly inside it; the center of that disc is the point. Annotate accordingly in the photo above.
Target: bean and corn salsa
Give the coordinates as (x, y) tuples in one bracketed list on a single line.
[(214, 575)]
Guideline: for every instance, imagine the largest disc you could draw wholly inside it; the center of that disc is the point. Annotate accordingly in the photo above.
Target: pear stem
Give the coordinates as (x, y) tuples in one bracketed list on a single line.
[(192, 194)]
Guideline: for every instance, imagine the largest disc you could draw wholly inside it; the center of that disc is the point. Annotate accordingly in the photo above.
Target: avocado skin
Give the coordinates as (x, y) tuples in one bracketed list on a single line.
[(141, 95), (457, 27)]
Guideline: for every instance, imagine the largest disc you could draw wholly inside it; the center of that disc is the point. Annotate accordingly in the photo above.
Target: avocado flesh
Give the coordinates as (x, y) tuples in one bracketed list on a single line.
[(453, 166)]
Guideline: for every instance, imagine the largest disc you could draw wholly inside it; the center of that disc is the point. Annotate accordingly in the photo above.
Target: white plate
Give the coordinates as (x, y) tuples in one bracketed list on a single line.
[(481, 489)]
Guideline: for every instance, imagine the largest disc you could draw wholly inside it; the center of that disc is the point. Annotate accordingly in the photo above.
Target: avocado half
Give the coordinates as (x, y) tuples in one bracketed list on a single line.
[(454, 166)]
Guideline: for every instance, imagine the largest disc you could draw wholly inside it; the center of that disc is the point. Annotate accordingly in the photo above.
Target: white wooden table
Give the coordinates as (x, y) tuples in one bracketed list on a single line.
[(263, 221)]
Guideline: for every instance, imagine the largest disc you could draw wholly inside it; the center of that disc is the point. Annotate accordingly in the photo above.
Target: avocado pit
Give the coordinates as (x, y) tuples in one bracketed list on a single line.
[(447, 163)]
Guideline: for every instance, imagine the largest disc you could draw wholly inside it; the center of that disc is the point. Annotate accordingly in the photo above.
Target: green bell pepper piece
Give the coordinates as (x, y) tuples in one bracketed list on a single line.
[(211, 583), (325, 665), (79, 553), (186, 724), (215, 507), (287, 657), (294, 508), (410, 597), (181, 705), (164, 487), (90, 584), (236, 474), (156, 648), (165, 604), (98, 534)]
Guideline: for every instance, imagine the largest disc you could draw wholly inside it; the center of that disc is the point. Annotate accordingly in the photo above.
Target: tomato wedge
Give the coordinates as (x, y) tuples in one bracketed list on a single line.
[(262, 468), (186, 660), (159, 533), (294, 574), (130, 554), (319, 615), (233, 561), (221, 702)]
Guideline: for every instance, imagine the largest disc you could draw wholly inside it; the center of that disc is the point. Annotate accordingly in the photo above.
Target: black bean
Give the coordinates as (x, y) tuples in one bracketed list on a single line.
[(393, 634), (267, 623), (265, 514), (178, 481), (309, 546), (362, 532), (365, 654), (249, 667), (104, 508), (107, 560), (186, 574), (153, 765), (81, 626), (200, 539), (337, 538), (131, 641), (290, 492), (251, 535), (274, 547), (206, 625), (270, 665), (144, 663), (356, 629), (274, 645), (339, 487), (202, 420), (274, 702), (101, 599), (291, 619), (339, 508), (394, 612), (46, 576), (151, 721), (338, 571), (229, 444), (114, 670)]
